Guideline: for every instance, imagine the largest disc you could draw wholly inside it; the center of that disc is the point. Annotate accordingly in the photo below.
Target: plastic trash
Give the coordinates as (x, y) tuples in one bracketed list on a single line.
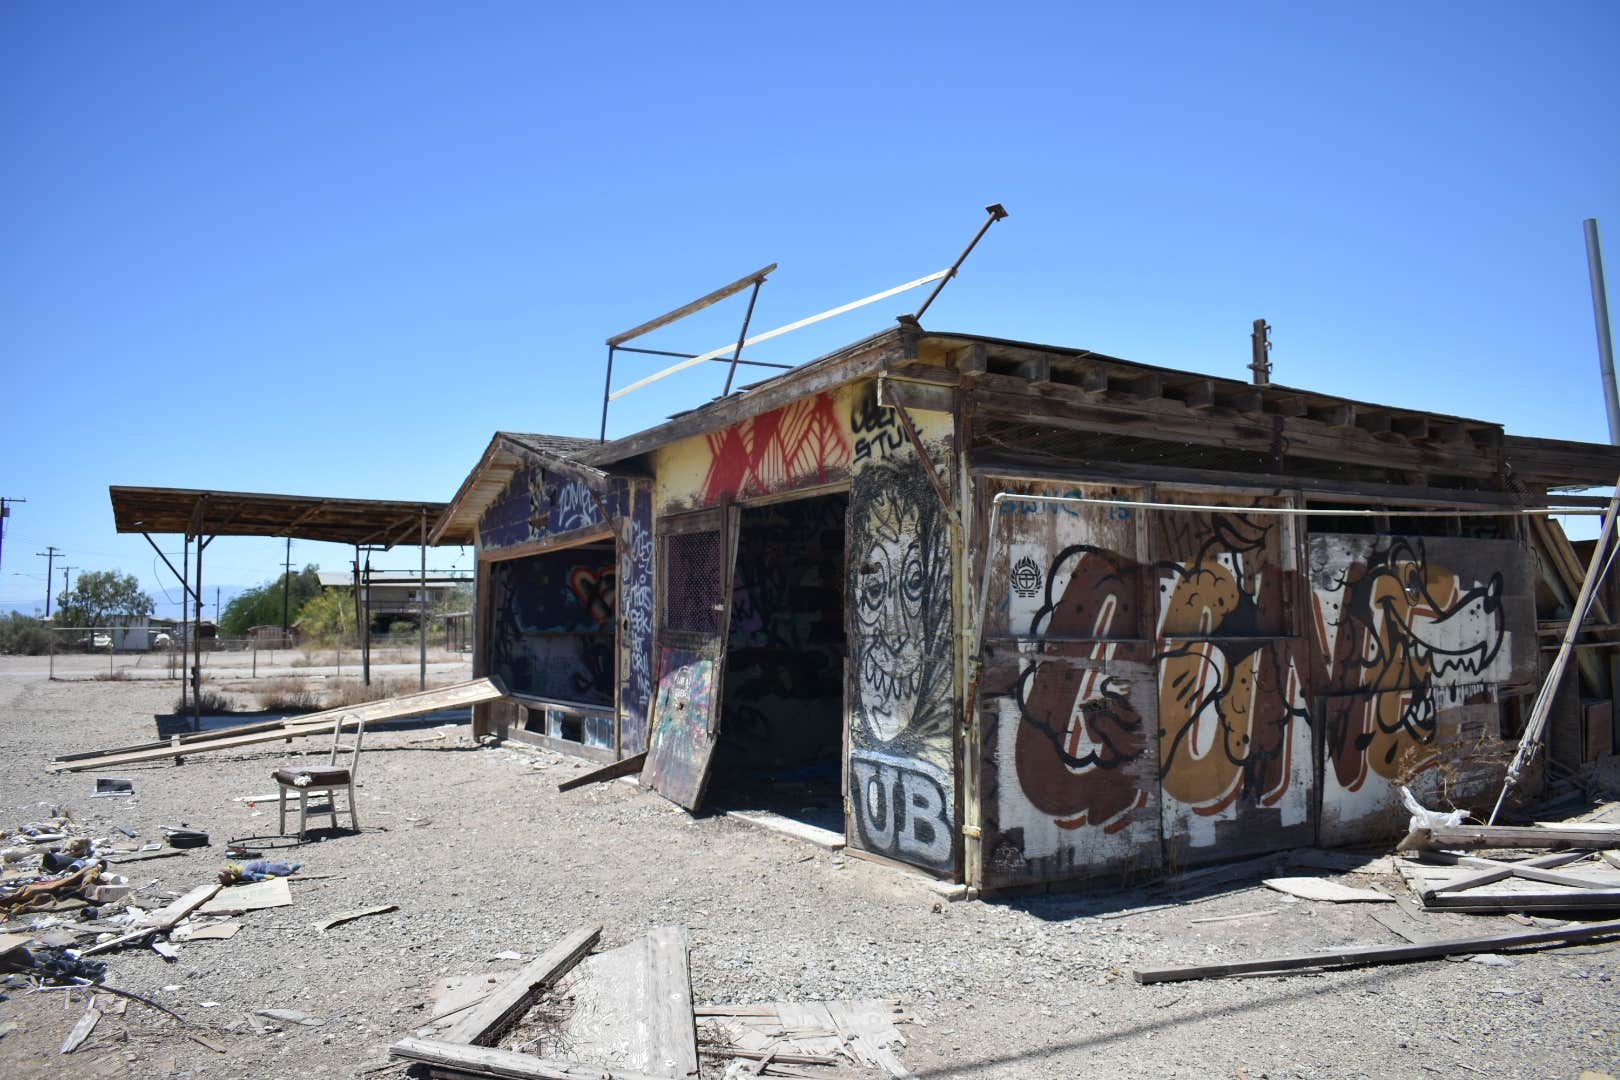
[(1424, 818)]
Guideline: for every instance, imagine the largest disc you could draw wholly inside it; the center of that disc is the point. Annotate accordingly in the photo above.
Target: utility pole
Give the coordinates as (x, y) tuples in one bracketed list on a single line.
[(49, 555), (286, 589), (216, 605), (1260, 352), (5, 512), (65, 586)]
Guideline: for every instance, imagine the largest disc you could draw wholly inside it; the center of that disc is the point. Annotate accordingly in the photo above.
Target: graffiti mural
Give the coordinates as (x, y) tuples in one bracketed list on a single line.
[(902, 808), (902, 672), (1152, 698), (553, 630), (680, 742), (1408, 631), (536, 505), (636, 620), (876, 430), (802, 443)]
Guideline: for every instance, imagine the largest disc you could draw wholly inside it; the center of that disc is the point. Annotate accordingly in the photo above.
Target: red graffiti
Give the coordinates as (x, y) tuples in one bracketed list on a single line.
[(799, 443)]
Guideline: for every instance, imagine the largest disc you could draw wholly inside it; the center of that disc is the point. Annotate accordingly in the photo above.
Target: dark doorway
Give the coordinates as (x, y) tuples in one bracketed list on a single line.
[(782, 702)]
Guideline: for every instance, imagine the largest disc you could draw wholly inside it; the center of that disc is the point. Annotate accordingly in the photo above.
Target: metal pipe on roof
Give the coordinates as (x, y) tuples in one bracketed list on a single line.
[(1600, 315)]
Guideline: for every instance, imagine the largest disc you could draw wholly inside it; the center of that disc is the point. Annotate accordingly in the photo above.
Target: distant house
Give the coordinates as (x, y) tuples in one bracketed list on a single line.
[(392, 596)]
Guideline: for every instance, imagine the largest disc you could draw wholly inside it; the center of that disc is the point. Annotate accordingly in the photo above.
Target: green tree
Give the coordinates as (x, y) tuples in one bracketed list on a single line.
[(100, 596), (261, 605), (24, 635), (328, 618)]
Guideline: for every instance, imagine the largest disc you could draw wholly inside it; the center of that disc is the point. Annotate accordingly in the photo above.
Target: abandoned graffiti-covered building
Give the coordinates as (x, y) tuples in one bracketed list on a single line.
[(1014, 614)]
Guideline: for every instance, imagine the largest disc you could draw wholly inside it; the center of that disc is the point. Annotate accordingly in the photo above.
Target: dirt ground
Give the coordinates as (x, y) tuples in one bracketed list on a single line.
[(482, 855)]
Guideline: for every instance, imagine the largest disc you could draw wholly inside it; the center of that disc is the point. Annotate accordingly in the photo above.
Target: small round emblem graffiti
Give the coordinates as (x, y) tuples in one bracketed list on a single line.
[(1026, 577)]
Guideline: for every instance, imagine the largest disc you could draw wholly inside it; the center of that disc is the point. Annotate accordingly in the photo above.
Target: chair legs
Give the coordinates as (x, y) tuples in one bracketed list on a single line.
[(303, 809)]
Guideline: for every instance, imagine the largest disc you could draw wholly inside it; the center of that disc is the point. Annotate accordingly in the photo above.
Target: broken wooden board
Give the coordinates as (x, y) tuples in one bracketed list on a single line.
[(486, 1061), (220, 931), (630, 766), (1388, 954), (1449, 888), (483, 1023), (81, 1031), (270, 893), (162, 920), (321, 723), (457, 993), (863, 1032), (1311, 888), (8, 942), (632, 1007), (1550, 837)]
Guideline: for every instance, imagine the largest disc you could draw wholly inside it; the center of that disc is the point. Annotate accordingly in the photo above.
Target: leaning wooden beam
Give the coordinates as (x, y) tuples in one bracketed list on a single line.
[(628, 767), (695, 306), (321, 723), (486, 1061), (1551, 837), (1387, 954), (484, 1022)]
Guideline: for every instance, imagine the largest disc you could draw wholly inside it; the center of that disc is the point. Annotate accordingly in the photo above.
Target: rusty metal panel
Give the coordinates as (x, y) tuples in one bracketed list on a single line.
[(1413, 638)]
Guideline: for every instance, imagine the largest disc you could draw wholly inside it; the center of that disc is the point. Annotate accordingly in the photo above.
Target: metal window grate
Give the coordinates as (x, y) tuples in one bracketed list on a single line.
[(692, 582)]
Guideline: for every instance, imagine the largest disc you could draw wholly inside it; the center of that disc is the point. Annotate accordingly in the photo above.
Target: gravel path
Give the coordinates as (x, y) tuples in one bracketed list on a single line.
[(483, 855)]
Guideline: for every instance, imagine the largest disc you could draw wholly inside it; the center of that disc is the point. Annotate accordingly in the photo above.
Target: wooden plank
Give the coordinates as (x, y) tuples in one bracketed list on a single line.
[(81, 1031), (162, 920), (1569, 900), (1499, 871), (628, 767), (632, 1007), (321, 723), (1551, 837), (695, 306), (483, 1024), (1314, 888), (1388, 954), (485, 1061)]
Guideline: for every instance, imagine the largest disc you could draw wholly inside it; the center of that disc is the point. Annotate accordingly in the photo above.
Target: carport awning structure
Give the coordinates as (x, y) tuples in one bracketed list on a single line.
[(203, 515), (190, 512)]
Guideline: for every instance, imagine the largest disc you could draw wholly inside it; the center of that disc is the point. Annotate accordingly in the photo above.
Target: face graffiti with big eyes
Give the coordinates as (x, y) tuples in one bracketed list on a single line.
[(898, 584)]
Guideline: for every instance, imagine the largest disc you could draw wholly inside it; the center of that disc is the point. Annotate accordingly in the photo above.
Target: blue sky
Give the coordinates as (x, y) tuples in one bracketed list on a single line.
[(329, 249)]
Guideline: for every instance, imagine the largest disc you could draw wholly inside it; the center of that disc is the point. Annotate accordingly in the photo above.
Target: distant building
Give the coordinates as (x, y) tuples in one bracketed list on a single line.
[(396, 595)]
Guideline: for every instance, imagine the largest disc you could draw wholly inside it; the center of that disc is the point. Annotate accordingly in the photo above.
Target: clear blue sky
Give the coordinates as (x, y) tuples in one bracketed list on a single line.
[(330, 248)]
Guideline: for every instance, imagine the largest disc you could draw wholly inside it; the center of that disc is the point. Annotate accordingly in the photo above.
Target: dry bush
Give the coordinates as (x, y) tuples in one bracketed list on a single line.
[(286, 695), (209, 701)]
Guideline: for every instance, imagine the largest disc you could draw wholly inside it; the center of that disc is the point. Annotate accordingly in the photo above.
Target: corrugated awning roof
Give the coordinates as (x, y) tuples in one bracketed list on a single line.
[(244, 513)]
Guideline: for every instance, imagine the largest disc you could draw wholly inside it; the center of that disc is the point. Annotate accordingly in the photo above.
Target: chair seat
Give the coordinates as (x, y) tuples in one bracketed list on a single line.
[(319, 775)]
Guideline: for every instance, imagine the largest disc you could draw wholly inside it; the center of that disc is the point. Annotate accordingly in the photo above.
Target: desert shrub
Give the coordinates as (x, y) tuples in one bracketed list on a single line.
[(24, 635)]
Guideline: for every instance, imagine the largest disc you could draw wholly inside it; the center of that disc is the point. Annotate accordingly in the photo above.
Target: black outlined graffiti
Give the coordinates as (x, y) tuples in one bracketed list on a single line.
[(877, 432)]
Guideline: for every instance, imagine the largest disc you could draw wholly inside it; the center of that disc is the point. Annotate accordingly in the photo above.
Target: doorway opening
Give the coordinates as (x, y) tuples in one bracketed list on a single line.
[(782, 700)]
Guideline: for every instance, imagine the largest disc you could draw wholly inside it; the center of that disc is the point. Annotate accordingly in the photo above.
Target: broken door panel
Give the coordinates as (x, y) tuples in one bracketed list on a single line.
[(696, 558)]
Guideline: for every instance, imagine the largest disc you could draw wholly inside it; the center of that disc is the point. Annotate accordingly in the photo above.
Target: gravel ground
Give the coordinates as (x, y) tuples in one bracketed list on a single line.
[(483, 855)]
